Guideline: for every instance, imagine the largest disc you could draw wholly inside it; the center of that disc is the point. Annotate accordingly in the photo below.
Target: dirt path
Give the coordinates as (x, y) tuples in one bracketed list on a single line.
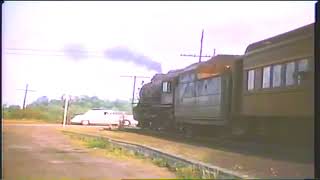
[(41, 152)]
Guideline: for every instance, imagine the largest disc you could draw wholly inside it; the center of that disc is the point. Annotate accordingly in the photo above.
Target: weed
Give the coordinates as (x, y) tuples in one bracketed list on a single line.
[(188, 173), (96, 143), (160, 162), (180, 170)]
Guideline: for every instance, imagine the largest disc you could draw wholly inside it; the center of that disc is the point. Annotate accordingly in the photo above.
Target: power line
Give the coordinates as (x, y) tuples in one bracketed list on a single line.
[(26, 49), (89, 53), (137, 76), (194, 55), (34, 54), (47, 50)]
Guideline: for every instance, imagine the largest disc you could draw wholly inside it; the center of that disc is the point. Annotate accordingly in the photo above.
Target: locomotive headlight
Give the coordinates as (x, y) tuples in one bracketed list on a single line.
[(227, 67)]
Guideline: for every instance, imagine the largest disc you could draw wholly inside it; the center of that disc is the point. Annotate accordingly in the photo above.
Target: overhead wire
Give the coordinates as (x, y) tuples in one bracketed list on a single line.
[(87, 53)]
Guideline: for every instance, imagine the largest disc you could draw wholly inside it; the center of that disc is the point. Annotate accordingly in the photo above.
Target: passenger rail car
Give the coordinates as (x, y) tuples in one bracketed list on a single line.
[(278, 84)]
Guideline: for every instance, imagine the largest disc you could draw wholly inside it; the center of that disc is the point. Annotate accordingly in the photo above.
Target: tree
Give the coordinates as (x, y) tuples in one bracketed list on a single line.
[(14, 107), (4, 106), (43, 100)]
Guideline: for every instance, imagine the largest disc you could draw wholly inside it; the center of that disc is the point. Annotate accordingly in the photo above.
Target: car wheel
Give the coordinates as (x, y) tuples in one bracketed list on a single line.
[(126, 123), (85, 123)]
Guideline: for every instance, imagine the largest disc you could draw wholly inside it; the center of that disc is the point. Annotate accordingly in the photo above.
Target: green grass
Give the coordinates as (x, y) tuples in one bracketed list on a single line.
[(160, 162), (97, 143), (118, 152)]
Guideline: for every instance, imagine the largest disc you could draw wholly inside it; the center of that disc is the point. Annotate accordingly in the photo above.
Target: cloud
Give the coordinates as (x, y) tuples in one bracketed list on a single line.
[(125, 54)]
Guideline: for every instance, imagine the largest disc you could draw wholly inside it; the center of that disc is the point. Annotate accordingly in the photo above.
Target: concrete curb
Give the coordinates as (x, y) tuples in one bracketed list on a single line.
[(172, 159)]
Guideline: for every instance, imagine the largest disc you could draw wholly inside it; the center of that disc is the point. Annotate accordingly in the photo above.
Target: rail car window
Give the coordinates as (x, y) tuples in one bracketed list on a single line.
[(250, 81), (303, 65), (208, 86), (214, 85), (276, 81), (188, 90), (201, 87), (266, 77), (169, 87), (290, 69), (187, 78), (166, 87)]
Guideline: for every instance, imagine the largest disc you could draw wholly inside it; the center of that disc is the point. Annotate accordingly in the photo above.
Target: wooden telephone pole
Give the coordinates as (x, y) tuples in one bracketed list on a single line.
[(25, 95), (134, 86), (200, 56)]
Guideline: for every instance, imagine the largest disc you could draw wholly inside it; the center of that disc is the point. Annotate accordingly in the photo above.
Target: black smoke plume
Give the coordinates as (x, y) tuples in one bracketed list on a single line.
[(124, 54)]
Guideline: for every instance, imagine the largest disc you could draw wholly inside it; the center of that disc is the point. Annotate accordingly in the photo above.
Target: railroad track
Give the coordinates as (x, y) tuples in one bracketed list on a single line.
[(277, 151), (172, 160)]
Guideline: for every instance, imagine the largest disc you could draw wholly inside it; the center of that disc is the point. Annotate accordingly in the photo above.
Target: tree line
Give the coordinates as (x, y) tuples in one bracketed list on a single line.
[(52, 110)]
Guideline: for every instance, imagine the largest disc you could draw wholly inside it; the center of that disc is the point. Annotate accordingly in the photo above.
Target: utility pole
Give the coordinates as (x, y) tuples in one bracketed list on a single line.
[(200, 56), (66, 99), (134, 86), (201, 46), (25, 95)]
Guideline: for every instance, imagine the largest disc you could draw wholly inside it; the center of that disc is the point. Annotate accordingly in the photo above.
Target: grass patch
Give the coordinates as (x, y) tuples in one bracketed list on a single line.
[(119, 152), (187, 172), (160, 162), (97, 143), (102, 144)]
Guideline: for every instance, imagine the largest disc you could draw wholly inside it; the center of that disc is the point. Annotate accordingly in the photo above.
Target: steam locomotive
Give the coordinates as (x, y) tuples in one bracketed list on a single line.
[(267, 92)]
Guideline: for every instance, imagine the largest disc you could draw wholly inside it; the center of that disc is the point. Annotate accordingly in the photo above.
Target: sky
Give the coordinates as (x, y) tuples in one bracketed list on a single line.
[(83, 48)]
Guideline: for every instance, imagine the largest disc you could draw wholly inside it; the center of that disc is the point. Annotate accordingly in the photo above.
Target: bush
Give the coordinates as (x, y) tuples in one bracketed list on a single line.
[(33, 113)]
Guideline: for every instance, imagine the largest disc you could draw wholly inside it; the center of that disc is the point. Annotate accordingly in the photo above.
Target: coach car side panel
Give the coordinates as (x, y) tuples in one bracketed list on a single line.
[(277, 88)]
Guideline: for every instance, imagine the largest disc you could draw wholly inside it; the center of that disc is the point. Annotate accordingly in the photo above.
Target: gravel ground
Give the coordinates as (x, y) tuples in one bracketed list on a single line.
[(39, 151)]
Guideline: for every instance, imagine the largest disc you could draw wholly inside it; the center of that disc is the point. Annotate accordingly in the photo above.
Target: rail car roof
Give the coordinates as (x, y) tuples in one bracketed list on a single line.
[(220, 58), (307, 29)]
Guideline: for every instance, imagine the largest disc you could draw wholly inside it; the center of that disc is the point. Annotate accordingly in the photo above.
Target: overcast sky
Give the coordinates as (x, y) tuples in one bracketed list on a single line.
[(125, 38)]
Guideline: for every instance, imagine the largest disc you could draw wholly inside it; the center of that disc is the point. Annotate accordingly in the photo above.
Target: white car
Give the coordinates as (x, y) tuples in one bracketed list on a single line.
[(99, 117), (76, 119), (129, 121)]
